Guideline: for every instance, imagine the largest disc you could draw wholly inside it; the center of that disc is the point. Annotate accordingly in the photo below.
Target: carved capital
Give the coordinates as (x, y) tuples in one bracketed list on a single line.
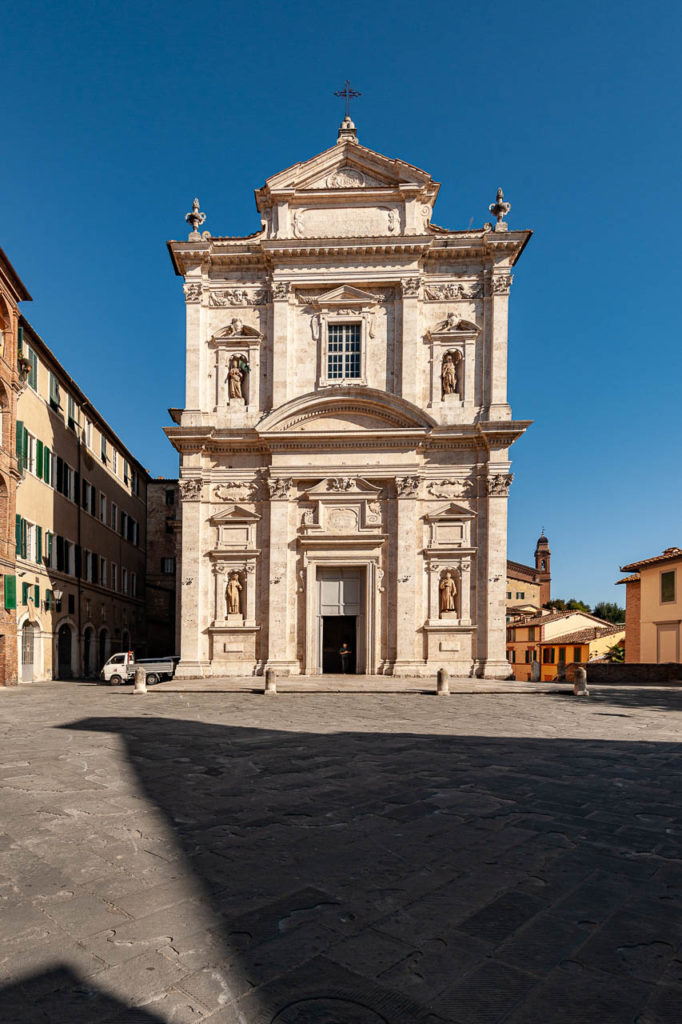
[(407, 486), (410, 286), (497, 485), (192, 292), (499, 284), (190, 490), (281, 290), (278, 487)]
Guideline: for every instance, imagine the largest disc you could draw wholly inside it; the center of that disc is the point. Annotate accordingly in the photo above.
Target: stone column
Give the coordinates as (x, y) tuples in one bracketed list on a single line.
[(465, 592), (405, 584), (281, 585), (280, 345), (192, 613), (195, 373), (492, 546), (498, 285), (410, 383)]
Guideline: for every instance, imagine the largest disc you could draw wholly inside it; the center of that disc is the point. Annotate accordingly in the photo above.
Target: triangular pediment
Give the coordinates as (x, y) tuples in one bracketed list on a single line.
[(347, 165), (346, 295), (450, 511), (452, 326), (234, 514), (236, 329), (349, 486)]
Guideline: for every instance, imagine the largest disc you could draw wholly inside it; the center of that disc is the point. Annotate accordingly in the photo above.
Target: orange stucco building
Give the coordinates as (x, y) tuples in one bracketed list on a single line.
[(12, 292)]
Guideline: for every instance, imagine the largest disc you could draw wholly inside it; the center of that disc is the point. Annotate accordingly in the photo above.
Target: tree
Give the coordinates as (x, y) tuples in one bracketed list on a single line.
[(610, 611), (616, 654), (558, 604)]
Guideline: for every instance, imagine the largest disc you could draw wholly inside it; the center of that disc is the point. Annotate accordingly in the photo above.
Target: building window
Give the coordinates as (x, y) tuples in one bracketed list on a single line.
[(124, 581), (54, 392), (667, 586), (133, 584), (546, 656), (126, 471), (577, 651), (509, 595), (113, 519), (114, 576), (531, 632), (87, 433), (29, 354), (102, 509), (343, 352), (29, 452), (89, 498), (168, 566), (114, 461), (562, 655), (103, 448), (520, 594), (103, 572), (170, 497), (71, 413)]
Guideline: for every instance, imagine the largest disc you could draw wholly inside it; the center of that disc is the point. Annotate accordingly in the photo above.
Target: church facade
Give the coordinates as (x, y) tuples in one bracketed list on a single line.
[(344, 445)]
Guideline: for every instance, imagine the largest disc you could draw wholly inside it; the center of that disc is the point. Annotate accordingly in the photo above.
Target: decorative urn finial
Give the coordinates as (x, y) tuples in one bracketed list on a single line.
[(499, 210), (195, 219)]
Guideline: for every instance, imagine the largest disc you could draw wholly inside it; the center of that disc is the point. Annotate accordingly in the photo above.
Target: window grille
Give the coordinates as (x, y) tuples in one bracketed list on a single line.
[(343, 351)]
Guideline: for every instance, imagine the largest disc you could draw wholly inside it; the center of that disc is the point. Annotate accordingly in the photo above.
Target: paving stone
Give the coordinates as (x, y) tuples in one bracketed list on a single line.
[(572, 993), (503, 916), (487, 995)]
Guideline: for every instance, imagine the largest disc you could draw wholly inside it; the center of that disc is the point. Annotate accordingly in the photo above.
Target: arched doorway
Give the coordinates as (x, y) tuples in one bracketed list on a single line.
[(64, 644), (89, 669), (28, 651), (103, 647)]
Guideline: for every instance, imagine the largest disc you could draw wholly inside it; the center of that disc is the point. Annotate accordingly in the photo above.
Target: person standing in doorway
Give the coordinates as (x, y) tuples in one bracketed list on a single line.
[(345, 653)]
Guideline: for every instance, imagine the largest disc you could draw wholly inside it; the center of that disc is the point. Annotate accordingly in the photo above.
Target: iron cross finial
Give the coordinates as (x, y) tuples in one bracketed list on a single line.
[(348, 94)]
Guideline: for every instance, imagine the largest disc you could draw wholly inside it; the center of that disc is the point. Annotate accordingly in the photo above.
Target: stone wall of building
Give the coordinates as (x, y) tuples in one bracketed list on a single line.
[(163, 503)]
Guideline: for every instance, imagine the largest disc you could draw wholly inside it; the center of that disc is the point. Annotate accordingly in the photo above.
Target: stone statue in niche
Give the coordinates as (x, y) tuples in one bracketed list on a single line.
[(448, 594), (448, 376), (235, 378), (233, 594)]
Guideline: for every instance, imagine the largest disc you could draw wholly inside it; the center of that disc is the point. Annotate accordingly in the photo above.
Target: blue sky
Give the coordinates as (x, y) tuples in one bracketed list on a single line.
[(116, 116)]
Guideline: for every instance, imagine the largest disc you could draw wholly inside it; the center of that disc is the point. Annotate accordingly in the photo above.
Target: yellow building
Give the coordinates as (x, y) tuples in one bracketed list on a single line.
[(529, 587), (526, 636), (80, 529), (578, 647), (653, 613)]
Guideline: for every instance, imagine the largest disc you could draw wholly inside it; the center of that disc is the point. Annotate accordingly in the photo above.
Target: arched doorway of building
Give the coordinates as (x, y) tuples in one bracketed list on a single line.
[(103, 647), (64, 649), (89, 669), (29, 631)]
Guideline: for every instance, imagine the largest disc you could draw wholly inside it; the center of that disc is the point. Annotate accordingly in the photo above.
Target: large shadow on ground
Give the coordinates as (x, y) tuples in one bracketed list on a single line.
[(361, 878)]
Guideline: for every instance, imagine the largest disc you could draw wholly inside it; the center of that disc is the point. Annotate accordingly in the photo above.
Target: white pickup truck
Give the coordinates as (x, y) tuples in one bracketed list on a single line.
[(120, 668)]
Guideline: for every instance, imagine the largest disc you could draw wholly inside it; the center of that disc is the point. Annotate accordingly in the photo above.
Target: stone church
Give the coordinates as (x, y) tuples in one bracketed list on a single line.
[(345, 440)]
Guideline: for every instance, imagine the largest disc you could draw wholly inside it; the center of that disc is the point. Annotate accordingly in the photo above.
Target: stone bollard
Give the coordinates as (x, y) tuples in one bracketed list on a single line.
[(580, 683), (140, 680), (270, 681), (535, 671), (442, 684)]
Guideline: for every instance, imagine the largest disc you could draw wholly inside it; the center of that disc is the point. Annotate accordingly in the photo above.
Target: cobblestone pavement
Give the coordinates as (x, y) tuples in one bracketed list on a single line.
[(338, 859)]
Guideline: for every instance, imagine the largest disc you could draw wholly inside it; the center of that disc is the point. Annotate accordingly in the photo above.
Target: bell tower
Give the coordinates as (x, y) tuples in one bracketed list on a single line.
[(542, 567)]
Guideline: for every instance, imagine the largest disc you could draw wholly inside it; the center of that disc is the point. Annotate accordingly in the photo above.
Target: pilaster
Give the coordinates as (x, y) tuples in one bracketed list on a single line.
[(405, 583), (410, 340), (498, 283), (492, 633), (281, 582), (194, 615), (281, 348)]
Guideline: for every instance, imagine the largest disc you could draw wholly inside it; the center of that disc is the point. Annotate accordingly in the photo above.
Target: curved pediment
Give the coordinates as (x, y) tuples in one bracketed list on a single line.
[(343, 409)]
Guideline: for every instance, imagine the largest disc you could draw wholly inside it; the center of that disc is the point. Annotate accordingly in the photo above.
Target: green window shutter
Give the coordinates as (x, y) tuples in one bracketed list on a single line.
[(39, 459), (39, 544), (47, 463), (24, 446), (20, 344), (20, 446), (24, 593), (36, 595), (24, 533), (17, 534), (48, 548), (10, 592)]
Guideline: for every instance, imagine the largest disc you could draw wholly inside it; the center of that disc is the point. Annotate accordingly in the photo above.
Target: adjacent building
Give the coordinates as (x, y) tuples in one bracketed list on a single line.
[(543, 639), (578, 647), (529, 588), (346, 433), (653, 608), (12, 292), (163, 531), (79, 527)]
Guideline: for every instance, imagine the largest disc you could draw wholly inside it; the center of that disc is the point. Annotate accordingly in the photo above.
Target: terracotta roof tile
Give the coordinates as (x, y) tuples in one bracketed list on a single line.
[(635, 578), (582, 636), (667, 556)]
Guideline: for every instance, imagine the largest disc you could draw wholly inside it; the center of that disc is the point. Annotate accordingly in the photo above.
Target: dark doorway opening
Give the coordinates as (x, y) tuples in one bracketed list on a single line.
[(335, 630), (64, 652)]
